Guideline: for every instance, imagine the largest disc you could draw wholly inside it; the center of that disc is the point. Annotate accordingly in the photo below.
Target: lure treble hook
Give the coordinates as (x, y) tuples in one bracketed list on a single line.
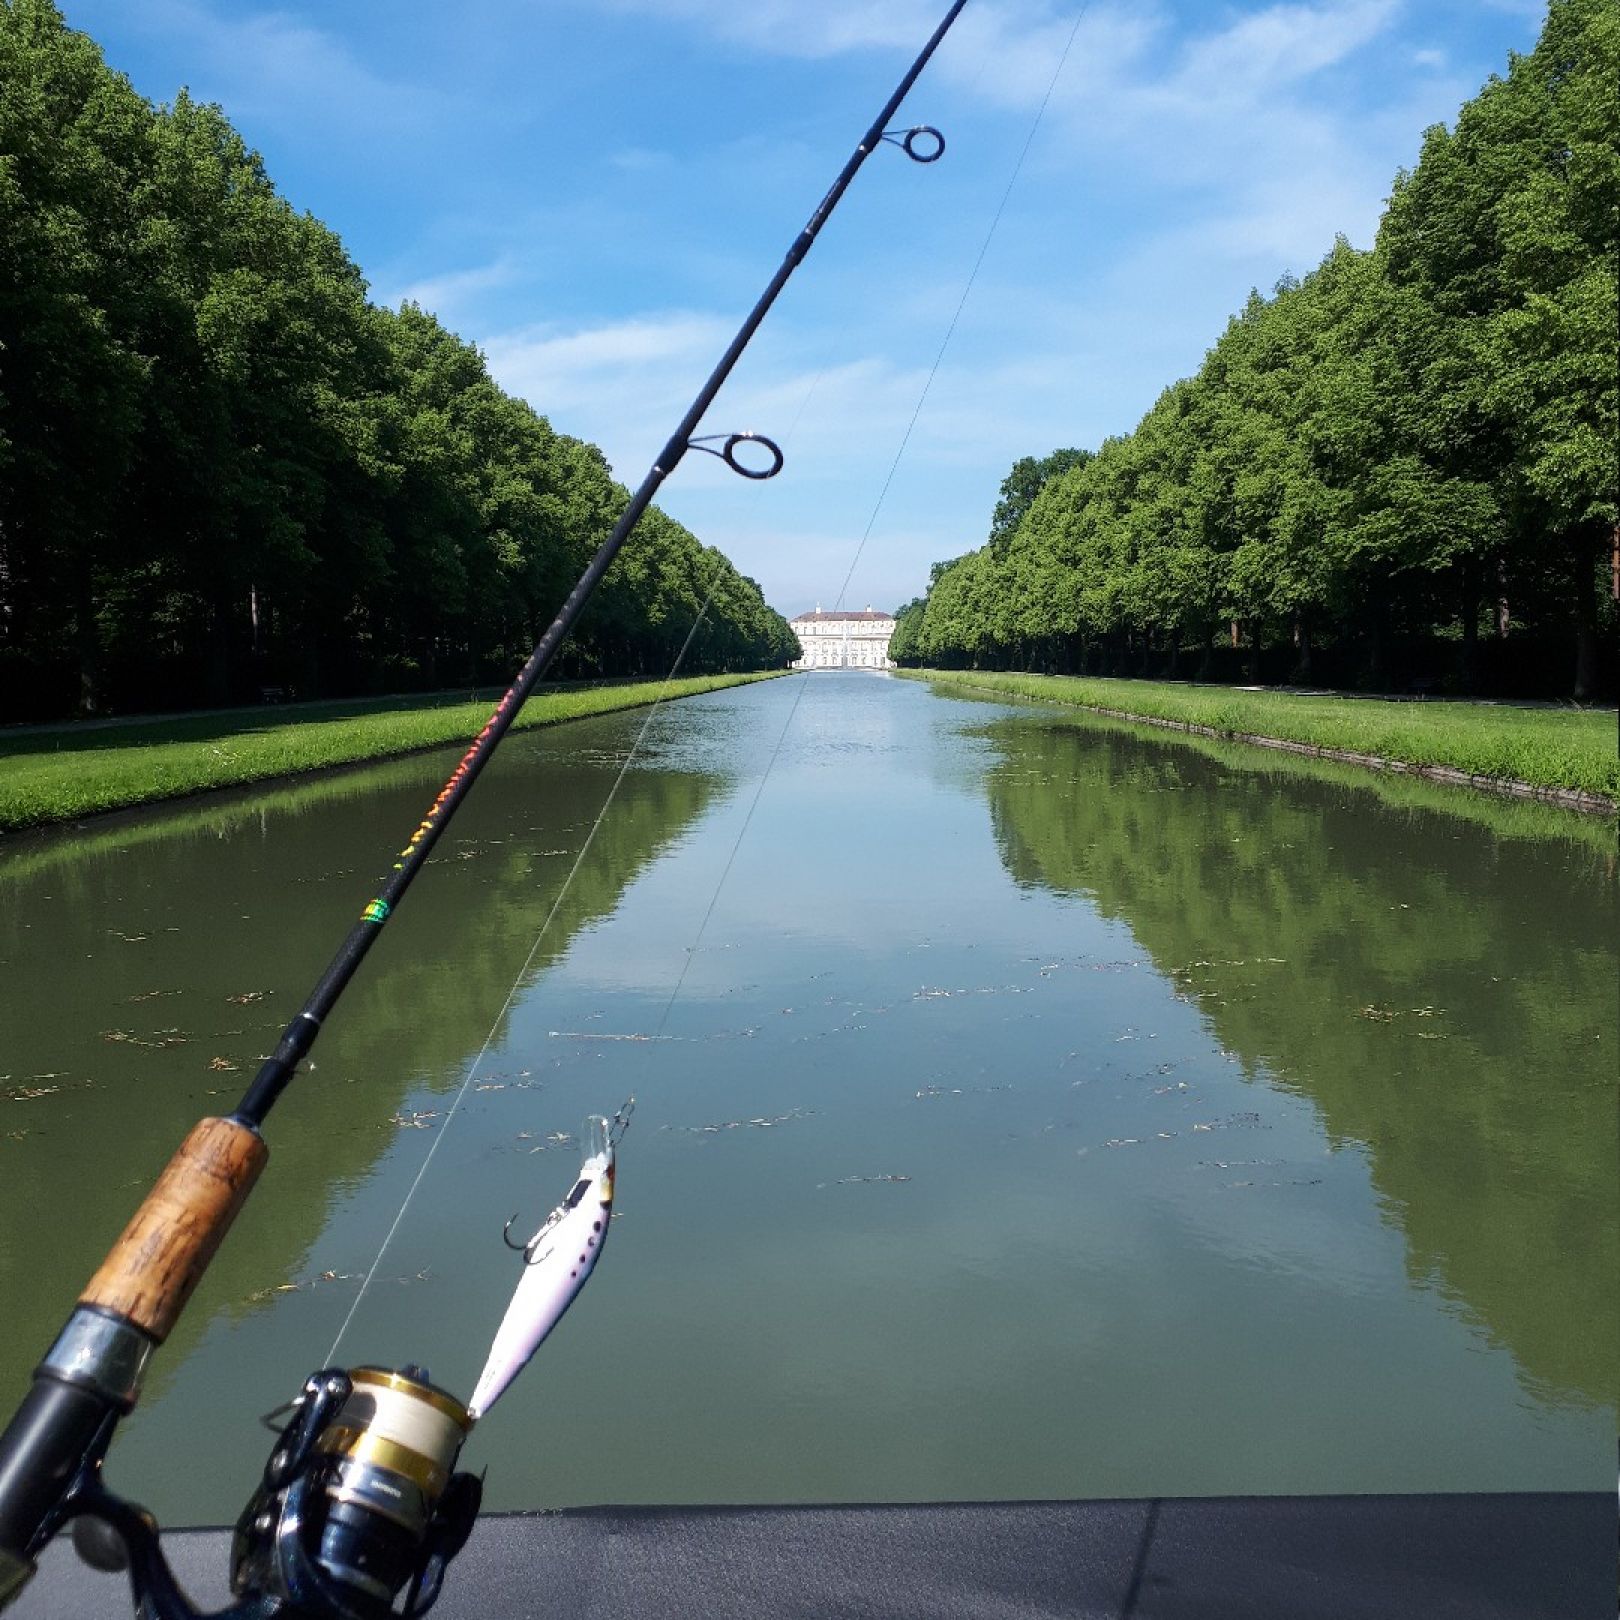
[(602, 1138)]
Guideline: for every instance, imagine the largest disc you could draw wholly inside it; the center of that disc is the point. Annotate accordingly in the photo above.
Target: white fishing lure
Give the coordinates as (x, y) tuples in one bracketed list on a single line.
[(557, 1262)]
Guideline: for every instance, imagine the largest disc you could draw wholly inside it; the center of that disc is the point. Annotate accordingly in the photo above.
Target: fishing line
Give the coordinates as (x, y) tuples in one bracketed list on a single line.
[(601, 815), (550, 917), (787, 725), (961, 303), (579, 858), (871, 522)]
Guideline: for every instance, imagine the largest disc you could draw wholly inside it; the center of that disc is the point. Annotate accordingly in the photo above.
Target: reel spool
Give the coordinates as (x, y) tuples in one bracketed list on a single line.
[(358, 1512), (360, 1499)]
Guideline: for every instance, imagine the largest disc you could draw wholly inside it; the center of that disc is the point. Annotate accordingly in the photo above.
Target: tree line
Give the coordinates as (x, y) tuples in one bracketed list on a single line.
[(223, 470), (1401, 468)]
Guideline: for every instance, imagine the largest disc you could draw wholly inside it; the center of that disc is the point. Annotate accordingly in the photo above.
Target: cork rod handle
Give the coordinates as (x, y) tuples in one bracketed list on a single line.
[(159, 1259)]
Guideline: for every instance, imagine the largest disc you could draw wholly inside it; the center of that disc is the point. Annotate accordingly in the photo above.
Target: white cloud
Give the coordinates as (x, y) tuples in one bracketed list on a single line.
[(622, 385), (270, 68), (1279, 46), (1007, 49), (452, 292), (1007, 53), (798, 28), (557, 355), (1177, 167), (1228, 116)]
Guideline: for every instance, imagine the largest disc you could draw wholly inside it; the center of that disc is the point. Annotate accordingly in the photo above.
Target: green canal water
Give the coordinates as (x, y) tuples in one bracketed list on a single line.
[(1050, 1109)]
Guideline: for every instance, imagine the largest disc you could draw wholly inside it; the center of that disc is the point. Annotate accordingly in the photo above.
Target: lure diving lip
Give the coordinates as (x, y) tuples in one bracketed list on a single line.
[(557, 1263)]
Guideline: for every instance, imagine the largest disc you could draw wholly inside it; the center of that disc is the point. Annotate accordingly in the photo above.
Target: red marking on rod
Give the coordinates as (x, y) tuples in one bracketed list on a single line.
[(447, 792)]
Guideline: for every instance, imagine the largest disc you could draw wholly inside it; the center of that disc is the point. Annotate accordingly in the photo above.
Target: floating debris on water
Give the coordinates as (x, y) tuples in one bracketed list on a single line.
[(520, 1084), (1239, 961), (760, 1123), (29, 1093), (324, 1277), (165, 1038), (1311, 1181), (837, 1029), (960, 1091), (1082, 964), (152, 995), (419, 1120), (246, 998), (592, 1035), (1231, 1122), (853, 1181), (552, 1139), (934, 993), (221, 1065)]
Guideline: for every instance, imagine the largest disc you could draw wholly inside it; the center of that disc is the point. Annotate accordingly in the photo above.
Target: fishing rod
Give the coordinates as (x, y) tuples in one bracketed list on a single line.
[(359, 1508)]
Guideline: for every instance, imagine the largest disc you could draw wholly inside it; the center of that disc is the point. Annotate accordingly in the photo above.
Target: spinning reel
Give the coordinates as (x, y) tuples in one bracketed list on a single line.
[(359, 1509)]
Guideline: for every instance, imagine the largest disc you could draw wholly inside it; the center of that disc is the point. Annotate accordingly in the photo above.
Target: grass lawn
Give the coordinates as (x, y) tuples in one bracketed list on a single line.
[(61, 772), (1549, 748)]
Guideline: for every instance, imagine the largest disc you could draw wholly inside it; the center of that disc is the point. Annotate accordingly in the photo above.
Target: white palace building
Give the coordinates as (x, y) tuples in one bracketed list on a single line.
[(844, 640)]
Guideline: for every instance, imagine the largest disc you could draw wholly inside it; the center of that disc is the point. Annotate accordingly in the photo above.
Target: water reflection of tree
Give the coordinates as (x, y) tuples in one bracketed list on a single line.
[(263, 890), (1445, 997)]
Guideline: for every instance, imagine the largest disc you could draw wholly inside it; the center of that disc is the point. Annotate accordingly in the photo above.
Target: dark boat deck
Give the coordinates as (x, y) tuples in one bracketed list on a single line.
[(1485, 1557)]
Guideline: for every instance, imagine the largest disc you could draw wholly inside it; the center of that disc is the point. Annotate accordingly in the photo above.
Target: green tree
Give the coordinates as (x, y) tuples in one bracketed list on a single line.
[(74, 142), (1509, 229), (1019, 488), (221, 468)]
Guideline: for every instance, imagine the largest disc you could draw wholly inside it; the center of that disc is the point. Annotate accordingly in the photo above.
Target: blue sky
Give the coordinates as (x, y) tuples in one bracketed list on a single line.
[(595, 191)]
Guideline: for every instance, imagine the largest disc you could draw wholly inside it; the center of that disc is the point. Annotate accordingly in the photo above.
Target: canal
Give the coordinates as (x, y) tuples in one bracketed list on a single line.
[(1049, 1108)]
